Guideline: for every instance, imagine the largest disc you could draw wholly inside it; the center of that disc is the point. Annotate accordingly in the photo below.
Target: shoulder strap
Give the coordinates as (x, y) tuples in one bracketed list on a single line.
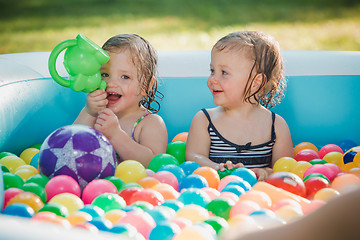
[(136, 123), (273, 134), (206, 114)]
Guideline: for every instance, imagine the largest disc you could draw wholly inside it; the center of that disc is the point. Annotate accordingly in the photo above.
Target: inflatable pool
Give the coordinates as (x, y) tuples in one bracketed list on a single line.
[(321, 104)]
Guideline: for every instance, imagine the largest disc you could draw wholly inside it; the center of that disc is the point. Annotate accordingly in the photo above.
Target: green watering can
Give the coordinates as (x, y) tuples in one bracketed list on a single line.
[(82, 60)]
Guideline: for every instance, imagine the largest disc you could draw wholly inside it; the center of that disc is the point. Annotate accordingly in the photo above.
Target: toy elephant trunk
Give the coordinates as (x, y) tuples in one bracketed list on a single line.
[(82, 60)]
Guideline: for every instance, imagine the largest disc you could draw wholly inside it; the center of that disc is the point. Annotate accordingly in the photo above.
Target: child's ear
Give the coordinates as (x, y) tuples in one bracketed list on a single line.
[(151, 84), (257, 82)]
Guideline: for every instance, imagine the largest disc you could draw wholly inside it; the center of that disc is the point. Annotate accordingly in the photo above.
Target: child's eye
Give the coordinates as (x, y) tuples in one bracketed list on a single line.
[(104, 75), (224, 73), (125, 77), (212, 71)]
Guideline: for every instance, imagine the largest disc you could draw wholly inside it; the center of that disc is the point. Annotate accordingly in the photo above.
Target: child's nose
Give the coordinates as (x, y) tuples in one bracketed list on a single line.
[(213, 79)]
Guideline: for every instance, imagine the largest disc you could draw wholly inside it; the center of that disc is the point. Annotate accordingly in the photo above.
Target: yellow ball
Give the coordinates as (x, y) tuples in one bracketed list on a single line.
[(334, 157), (130, 171), (79, 217), (114, 215), (68, 200), (12, 163), (300, 167), (26, 171), (194, 213), (28, 154), (284, 164), (325, 194), (288, 213)]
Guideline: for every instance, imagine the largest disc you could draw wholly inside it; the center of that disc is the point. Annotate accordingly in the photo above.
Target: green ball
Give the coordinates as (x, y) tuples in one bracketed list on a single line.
[(225, 173), (37, 146), (5, 154), (177, 149), (217, 223), (36, 189), (220, 207), (118, 182), (109, 201), (11, 180), (162, 159), (316, 175), (143, 205), (3, 168), (56, 208), (317, 161), (39, 179), (130, 184)]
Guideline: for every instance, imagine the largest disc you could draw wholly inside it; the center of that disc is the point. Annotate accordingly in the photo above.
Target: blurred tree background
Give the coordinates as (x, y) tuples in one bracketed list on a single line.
[(38, 25)]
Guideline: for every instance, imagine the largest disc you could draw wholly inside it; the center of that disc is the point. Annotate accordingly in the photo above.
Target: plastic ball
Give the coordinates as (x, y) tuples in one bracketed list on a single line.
[(3, 168), (177, 149), (312, 206), (313, 185), (220, 207), (35, 160), (118, 183), (167, 191), (230, 196), (195, 232), (167, 177), (50, 217), (194, 213), (211, 192), (193, 181), (306, 155), (181, 137), (210, 174), (142, 205), (149, 172), (125, 230), (334, 157), (11, 180), (194, 196), (28, 154), (39, 179), (97, 187), (164, 231), (9, 194), (325, 194), (244, 207), (289, 213), (226, 180), (217, 223), (317, 161), (246, 174), (78, 151), (343, 181), (300, 168), (93, 210), (241, 183), (78, 217), (174, 169), (329, 148), (115, 215), (127, 193), (351, 158), (161, 214), (20, 210), (148, 182), (305, 145), (189, 167), (5, 154), (109, 201), (346, 144), (285, 202), (148, 195), (56, 208), (322, 169), (12, 162), (162, 159), (102, 224), (62, 184), (26, 171), (233, 188), (284, 164), (141, 220), (28, 198), (173, 203), (68, 200), (35, 188), (130, 171), (259, 197), (288, 181)]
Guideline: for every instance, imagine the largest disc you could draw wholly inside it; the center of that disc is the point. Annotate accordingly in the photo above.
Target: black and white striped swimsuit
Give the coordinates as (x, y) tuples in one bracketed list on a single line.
[(222, 150)]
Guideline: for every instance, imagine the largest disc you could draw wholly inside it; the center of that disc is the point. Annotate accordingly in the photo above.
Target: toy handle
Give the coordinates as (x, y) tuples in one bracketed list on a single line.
[(52, 61)]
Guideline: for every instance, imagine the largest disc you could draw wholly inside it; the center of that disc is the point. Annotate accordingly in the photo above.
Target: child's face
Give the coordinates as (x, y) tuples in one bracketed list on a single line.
[(123, 85), (229, 75)]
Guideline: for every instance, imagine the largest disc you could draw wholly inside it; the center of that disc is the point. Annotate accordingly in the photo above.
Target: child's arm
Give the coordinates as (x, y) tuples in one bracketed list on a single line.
[(95, 102), (198, 142), (153, 137), (283, 146)]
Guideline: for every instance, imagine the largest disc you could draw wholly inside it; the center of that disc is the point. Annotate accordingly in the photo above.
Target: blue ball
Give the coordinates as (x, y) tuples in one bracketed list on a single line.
[(246, 174), (189, 167), (242, 183), (193, 181), (161, 214), (233, 189), (164, 231), (35, 161), (124, 229), (94, 211), (173, 203), (20, 210), (174, 169), (346, 144), (101, 223), (194, 196)]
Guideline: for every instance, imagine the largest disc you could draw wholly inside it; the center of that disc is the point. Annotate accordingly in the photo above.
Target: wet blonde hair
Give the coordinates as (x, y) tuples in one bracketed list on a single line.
[(265, 51), (145, 60)]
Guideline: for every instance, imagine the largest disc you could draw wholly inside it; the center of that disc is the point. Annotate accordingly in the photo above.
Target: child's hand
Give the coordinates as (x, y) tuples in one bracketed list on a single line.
[(262, 173), (96, 101), (230, 165), (108, 124)]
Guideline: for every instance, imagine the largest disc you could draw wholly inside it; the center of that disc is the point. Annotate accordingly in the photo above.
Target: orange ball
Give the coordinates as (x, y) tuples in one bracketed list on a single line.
[(305, 145), (29, 199), (344, 181), (210, 174), (181, 137), (259, 197), (79, 217), (148, 182)]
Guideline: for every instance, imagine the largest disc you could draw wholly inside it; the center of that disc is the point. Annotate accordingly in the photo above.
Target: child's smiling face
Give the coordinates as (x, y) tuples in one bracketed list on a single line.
[(123, 85), (229, 75)]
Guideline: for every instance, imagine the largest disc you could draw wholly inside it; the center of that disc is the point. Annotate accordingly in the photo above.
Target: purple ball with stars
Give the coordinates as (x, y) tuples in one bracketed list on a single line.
[(78, 151)]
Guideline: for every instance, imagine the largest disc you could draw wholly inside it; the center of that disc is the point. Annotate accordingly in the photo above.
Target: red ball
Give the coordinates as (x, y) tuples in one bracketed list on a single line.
[(313, 185), (329, 148), (127, 193), (148, 195), (306, 155), (289, 182)]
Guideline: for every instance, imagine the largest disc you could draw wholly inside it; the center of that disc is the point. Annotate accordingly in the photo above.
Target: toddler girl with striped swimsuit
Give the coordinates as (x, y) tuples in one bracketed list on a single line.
[(246, 79), (124, 111)]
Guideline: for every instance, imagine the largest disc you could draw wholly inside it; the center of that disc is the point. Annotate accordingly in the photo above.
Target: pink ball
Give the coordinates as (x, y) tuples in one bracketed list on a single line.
[(329, 148), (97, 187), (148, 195), (149, 172), (245, 207), (226, 180), (167, 177), (9, 194), (141, 220), (312, 206), (319, 168), (62, 184), (306, 155), (334, 169), (212, 192)]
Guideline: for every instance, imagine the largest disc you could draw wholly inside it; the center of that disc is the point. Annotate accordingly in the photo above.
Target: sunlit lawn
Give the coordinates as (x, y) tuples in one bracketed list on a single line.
[(38, 25)]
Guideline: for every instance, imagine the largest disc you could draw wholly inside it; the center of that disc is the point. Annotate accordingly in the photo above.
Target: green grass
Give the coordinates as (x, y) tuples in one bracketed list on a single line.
[(38, 25)]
